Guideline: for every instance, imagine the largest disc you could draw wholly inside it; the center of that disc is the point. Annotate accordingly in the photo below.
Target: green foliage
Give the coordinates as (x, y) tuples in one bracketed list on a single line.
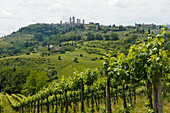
[(124, 110), (34, 82), (127, 70), (33, 37), (81, 55), (76, 59), (13, 103), (13, 77), (1, 108), (114, 36), (28, 53), (59, 57)]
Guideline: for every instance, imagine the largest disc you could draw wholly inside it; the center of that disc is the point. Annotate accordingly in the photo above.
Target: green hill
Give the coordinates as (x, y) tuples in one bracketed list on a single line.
[(58, 50)]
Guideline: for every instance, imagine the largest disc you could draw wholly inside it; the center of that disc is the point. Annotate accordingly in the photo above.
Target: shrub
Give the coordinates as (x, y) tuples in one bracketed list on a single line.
[(62, 52), (81, 55), (59, 57), (28, 53), (76, 59), (101, 58), (93, 59)]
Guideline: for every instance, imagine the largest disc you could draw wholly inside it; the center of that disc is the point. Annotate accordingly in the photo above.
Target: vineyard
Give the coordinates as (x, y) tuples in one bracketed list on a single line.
[(120, 82)]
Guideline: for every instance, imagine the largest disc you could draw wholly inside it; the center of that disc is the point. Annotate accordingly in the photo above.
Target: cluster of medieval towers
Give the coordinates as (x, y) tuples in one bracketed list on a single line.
[(72, 21)]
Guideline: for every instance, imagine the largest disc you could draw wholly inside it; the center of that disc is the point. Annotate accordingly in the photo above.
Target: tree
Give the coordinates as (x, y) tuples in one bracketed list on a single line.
[(76, 59), (156, 62), (41, 80), (106, 36), (99, 36), (81, 55), (121, 28), (90, 36), (149, 31), (131, 39), (30, 85), (38, 37), (59, 57), (34, 82), (30, 49), (107, 67), (8, 89), (114, 36)]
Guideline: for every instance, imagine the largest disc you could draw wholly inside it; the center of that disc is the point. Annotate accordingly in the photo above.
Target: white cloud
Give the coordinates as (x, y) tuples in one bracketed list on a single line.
[(113, 2), (5, 14), (55, 7), (14, 14)]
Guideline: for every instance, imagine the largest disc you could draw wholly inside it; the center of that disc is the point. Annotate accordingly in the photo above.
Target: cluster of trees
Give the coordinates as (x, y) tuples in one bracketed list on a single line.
[(34, 82), (40, 29), (22, 80), (119, 45), (98, 36), (16, 72)]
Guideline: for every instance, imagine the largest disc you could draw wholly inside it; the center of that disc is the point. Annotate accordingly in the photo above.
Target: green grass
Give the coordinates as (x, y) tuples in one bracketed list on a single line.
[(0, 102), (6, 106), (66, 66), (139, 107)]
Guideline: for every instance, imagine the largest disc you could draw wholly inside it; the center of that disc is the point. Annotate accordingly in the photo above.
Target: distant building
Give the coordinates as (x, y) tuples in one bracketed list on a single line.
[(73, 19), (83, 22), (145, 25), (97, 24), (168, 25), (91, 23), (51, 46), (70, 19), (77, 21), (72, 22)]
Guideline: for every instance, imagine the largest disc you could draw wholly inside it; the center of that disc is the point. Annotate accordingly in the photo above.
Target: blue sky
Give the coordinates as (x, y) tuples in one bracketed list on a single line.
[(19, 13)]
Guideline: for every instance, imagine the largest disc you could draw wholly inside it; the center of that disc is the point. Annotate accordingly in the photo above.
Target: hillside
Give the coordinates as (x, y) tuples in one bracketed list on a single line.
[(34, 38), (58, 50), (121, 83)]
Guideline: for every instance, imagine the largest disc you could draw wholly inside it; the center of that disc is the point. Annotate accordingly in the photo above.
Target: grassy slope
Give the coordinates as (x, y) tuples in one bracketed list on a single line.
[(67, 66), (6, 106)]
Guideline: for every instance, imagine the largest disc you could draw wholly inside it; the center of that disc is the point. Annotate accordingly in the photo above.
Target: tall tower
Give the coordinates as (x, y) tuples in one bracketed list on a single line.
[(77, 21), (70, 20), (73, 19), (61, 22), (83, 22)]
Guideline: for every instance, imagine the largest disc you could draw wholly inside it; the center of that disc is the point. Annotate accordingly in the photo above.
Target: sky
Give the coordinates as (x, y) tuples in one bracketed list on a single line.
[(15, 14)]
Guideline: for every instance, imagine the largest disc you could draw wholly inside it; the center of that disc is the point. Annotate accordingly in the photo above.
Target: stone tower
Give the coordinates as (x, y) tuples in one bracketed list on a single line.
[(70, 20), (77, 21), (73, 19), (83, 21)]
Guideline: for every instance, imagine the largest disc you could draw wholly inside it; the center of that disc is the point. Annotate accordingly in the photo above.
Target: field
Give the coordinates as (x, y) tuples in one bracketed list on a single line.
[(66, 66)]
